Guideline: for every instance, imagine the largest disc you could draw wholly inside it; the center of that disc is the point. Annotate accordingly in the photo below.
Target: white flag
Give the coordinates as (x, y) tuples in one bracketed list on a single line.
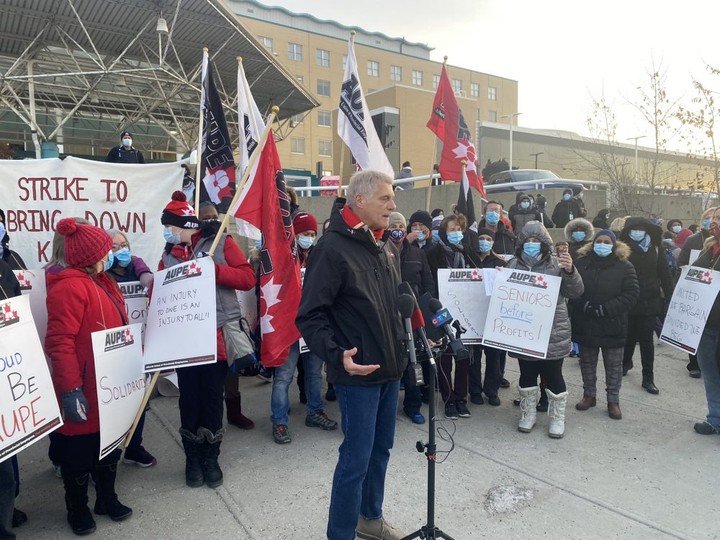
[(355, 125)]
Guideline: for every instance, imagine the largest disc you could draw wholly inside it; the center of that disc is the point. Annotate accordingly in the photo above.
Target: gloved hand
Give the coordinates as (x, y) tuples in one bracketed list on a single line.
[(588, 308), (600, 311), (75, 405)]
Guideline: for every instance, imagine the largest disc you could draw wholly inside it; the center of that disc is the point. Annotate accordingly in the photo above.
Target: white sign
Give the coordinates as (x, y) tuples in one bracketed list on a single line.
[(694, 254), (521, 312), (120, 382), (462, 292), (28, 405), (690, 305), (32, 283), (136, 303), (181, 326), (37, 193)]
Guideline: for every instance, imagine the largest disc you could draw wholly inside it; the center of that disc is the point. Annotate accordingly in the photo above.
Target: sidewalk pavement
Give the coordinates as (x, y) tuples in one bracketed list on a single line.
[(648, 475)]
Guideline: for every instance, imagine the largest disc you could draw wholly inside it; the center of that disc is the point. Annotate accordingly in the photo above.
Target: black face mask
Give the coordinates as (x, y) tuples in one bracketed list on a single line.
[(209, 227)]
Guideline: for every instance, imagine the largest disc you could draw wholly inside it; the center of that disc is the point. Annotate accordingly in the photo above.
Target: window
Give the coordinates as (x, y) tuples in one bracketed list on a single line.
[(323, 88), (457, 85), (325, 148), (297, 145), (436, 81), (395, 73), (322, 57), (492, 93), (297, 119), (474, 90), (492, 116), (267, 42), (324, 119), (373, 68), (417, 78), (295, 52)]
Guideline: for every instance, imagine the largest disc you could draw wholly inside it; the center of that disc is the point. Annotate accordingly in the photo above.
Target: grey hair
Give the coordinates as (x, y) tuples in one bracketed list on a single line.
[(113, 232), (365, 183)]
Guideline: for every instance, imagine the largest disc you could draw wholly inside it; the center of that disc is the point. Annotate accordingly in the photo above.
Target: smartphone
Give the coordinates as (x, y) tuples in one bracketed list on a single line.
[(561, 247)]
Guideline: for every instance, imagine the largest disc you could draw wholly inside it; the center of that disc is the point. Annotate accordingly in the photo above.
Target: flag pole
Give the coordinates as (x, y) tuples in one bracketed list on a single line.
[(148, 390), (201, 128), (246, 175), (429, 188)]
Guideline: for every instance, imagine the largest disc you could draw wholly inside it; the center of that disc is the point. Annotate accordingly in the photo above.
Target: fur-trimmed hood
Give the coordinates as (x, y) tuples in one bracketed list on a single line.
[(634, 222), (536, 229), (621, 250), (579, 224)]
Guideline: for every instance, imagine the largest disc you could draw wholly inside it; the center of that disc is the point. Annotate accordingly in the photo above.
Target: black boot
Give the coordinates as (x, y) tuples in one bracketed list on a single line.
[(212, 474), (193, 445), (648, 384), (107, 503), (76, 499)]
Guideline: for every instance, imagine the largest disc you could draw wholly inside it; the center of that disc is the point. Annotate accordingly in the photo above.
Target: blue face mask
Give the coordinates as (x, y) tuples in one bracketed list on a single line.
[(578, 236), (637, 235), (492, 218), (170, 237), (525, 205), (123, 257), (706, 224), (304, 241), (436, 234), (421, 236), (127, 143), (531, 249), (676, 228), (567, 197), (455, 237), (602, 250), (109, 263), (258, 244), (397, 235), (485, 246), (3, 231)]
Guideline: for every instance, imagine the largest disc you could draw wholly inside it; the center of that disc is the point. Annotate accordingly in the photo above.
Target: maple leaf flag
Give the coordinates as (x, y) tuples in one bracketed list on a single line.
[(448, 124)]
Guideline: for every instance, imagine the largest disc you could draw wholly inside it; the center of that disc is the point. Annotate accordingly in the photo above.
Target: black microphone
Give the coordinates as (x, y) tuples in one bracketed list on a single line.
[(418, 319), (414, 375), (442, 319)]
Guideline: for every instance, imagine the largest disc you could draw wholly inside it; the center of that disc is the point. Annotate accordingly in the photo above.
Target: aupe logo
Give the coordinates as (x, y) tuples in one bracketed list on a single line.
[(699, 276), (8, 316), (118, 339), (24, 280), (187, 270), (466, 275), (522, 278)]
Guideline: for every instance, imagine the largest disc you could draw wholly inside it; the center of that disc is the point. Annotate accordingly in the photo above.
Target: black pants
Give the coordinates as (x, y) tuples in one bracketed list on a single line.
[(640, 330), (7, 499), (493, 376), (201, 396), (77, 455), (550, 370)]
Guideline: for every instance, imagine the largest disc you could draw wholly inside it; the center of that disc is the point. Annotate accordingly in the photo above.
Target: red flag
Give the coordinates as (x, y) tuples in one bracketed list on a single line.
[(448, 123), (266, 205)]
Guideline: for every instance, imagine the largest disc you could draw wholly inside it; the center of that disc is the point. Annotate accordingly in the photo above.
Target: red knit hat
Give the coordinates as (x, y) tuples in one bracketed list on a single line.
[(84, 244), (179, 213), (303, 222)]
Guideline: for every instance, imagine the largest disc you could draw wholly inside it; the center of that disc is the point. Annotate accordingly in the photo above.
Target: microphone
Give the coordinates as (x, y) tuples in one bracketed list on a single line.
[(441, 320), (418, 321), (414, 375)]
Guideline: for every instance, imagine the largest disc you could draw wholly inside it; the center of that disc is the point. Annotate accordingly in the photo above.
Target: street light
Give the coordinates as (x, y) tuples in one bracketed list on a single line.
[(636, 153), (536, 154), (510, 116)]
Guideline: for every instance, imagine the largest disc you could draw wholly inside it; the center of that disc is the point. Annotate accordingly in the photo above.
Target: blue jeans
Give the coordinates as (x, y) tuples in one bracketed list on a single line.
[(707, 356), (368, 424), (279, 401)]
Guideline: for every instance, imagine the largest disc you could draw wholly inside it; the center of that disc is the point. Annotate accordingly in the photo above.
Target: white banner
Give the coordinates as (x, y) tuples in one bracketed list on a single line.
[(136, 303), (37, 193), (120, 382), (689, 308), (32, 283), (521, 312), (462, 292), (28, 405), (182, 323)]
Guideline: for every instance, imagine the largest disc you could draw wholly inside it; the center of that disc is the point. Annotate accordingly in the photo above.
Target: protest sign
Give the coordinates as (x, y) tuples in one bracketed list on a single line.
[(521, 312), (690, 305), (462, 291), (181, 325), (136, 303), (32, 283), (120, 382), (37, 193), (28, 405)]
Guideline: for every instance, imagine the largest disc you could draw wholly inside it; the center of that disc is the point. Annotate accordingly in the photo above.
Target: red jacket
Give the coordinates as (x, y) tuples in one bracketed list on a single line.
[(77, 306)]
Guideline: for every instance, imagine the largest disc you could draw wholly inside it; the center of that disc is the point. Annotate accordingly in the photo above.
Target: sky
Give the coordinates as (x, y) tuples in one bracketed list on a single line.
[(562, 52)]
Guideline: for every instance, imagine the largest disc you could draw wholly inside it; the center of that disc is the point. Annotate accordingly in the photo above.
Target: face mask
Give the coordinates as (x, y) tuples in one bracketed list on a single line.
[(567, 197), (602, 250), (676, 228), (531, 249), (525, 205), (706, 224), (304, 242), (397, 235), (492, 218), (171, 238), (485, 246), (109, 263), (123, 257), (127, 143), (436, 235), (258, 244), (421, 236), (637, 235), (455, 237), (2, 230), (578, 236)]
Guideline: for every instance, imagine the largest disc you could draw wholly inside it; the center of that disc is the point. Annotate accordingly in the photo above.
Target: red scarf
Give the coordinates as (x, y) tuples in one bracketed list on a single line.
[(354, 222)]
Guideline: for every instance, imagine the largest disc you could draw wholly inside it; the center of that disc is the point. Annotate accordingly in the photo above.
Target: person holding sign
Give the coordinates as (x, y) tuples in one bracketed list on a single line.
[(600, 316), (82, 299), (534, 255), (707, 353)]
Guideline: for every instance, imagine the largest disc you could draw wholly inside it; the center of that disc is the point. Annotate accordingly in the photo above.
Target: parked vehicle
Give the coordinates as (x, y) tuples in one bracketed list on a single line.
[(527, 180)]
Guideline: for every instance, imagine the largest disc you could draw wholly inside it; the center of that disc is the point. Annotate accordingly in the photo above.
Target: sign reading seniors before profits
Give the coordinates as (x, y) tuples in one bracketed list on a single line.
[(181, 327), (120, 382), (28, 406), (521, 312), (32, 283), (462, 291), (689, 308)]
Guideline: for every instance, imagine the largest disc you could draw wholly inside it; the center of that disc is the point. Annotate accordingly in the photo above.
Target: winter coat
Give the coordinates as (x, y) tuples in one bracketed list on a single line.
[(13, 259), (696, 241), (120, 154), (578, 224), (504, 238), (78, 305), (132, 272), (445, 255), (565, 211), (9, 285), (612, 283), (415, 270), (708, 260), (571, 287), (349, 300)]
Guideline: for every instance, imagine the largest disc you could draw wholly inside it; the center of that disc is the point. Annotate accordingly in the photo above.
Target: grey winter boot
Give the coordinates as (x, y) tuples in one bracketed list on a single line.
[(528, 408), (556, 412)]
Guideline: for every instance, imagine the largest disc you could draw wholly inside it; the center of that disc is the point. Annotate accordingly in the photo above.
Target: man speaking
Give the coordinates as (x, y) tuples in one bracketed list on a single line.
[(349, 317)]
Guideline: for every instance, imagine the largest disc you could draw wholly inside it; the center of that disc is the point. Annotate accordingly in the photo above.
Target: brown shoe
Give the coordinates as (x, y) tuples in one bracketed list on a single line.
[(614, 411), (235, 415), (586, 403)]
